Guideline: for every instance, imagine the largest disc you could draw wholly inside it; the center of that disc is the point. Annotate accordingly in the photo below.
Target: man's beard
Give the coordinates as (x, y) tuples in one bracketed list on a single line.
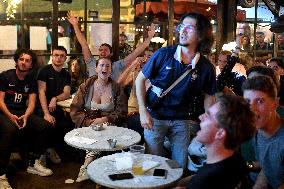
[(21, 70)]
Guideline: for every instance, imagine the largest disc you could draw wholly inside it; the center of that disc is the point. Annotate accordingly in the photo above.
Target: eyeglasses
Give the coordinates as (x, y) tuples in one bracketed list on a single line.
[(59, 55), (187, 28)]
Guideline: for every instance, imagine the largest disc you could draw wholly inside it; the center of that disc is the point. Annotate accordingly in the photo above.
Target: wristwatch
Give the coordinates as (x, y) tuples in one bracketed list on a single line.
[(250, 165)]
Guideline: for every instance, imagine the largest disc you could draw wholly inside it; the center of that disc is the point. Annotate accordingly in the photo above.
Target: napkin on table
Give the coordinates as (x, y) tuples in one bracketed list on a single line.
[(82, 140)]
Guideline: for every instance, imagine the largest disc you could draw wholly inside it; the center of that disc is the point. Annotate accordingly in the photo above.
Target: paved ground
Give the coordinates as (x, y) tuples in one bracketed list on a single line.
[(68, 169)]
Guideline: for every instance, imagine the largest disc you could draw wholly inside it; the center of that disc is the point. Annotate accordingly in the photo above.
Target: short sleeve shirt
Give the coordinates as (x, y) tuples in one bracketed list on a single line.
[(269, 151), (55, 81), (186, 99), (16, 91), (117, 68)]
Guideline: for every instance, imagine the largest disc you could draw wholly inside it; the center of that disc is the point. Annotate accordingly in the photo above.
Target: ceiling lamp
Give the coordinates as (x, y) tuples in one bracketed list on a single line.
[(11, 8)]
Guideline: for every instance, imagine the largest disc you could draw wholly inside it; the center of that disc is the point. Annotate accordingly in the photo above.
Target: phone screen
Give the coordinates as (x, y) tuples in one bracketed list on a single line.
[(160, 173), (121, 176)]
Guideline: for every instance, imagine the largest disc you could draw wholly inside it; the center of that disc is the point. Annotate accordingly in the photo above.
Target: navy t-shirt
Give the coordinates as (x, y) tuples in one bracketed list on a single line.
[(186, 99), (55, 81), (16, 91)]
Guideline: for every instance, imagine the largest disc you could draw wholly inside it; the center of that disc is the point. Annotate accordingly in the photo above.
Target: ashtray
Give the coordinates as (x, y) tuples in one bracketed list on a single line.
[(112, 142), (97, 127)]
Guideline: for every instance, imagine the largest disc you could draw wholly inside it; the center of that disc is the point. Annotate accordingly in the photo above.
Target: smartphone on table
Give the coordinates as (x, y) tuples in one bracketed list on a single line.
[(121, 176), (160, 173)]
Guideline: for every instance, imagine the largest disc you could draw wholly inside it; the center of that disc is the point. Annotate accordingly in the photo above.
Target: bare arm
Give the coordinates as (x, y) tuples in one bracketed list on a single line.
[(131, 57), (145, 117), (125, 77), (81, 38), (43, 102)]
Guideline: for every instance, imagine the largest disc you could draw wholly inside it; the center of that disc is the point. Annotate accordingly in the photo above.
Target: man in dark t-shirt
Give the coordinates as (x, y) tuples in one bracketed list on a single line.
[(54, 85), (17, 102), (224, 126)]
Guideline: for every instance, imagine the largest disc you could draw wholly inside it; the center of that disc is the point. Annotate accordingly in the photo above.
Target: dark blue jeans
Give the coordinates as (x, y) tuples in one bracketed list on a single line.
[(37, 131)]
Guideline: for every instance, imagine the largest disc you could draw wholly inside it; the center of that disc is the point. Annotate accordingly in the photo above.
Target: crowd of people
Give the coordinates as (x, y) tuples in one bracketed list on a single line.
[(175, 98)]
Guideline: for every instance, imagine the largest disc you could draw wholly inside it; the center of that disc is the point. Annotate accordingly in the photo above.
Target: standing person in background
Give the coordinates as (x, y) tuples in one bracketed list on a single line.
[(128, 76), (245, 43), (105, 51), (124, 48), (277, 64), (18, 92), (173, 114), (263, 49), (54, 85), (228, 80)]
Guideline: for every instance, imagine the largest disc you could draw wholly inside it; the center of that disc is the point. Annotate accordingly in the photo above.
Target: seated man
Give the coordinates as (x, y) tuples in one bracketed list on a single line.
[(54, 85), (224, 126), (261, 93), (17, 102)]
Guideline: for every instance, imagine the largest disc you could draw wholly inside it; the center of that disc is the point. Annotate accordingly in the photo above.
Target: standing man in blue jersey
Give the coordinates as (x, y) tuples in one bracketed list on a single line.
[(173, 114)]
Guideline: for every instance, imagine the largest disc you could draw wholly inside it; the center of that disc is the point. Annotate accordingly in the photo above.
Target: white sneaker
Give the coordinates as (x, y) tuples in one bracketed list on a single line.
[(82, 174), (53, 156), (4, 184), (39, 169)]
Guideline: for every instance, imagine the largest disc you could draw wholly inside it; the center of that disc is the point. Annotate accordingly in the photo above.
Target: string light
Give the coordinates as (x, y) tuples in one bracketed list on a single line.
[(11, 8)]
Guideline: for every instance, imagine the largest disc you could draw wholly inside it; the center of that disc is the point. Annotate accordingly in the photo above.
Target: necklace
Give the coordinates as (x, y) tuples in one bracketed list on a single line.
[(101, 89)]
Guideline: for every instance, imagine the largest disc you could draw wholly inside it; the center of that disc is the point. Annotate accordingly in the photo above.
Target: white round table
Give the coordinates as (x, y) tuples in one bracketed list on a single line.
[(100, 168), (88, 139)]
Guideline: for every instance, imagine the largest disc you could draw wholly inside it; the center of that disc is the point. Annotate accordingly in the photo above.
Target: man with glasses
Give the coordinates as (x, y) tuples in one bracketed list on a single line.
[(173, 114), (17, 102), (54, 85)]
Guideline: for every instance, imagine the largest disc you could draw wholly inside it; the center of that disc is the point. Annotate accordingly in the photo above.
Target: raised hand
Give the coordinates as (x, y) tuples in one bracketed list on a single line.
[(71, 18)]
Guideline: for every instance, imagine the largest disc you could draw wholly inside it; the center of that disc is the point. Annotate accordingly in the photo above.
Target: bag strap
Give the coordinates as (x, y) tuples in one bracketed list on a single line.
[(176, 82), (189, 69)]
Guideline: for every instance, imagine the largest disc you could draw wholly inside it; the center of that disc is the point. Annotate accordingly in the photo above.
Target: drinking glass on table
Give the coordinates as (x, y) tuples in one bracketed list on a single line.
[(137, 151)]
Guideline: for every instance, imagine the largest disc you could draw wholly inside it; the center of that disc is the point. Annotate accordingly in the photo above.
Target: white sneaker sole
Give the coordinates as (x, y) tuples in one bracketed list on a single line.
[(35, 172)]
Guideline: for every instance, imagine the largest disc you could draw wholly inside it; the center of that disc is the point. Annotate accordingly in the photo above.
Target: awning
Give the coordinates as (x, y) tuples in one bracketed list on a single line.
[(182, 7)]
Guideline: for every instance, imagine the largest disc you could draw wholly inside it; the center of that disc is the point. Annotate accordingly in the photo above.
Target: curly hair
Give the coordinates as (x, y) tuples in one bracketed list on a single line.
[(204, 31), (236, 118), (20, 52)]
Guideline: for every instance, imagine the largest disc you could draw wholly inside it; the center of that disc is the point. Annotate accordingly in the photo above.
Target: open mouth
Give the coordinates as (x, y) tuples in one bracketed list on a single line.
[(104, 73)]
